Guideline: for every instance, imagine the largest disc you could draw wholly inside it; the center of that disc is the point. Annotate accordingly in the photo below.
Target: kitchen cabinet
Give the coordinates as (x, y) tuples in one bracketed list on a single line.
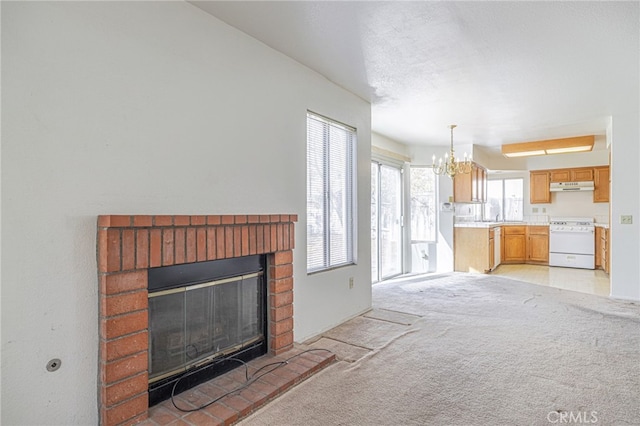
[(539, 187), (602, 248), (581, 174), (515, 244), (560, 175), (601, 184), (473, 249), (538, 244), (470, 187)]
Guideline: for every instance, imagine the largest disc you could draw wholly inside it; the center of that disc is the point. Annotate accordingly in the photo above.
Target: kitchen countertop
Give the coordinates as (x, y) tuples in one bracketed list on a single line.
[(494, 224)]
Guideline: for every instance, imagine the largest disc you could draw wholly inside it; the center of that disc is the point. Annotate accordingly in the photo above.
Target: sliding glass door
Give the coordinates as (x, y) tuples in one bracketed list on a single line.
[(386, 221)]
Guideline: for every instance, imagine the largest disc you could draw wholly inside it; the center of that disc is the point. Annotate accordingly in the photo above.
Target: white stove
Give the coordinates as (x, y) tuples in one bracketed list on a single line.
[(572, 242)]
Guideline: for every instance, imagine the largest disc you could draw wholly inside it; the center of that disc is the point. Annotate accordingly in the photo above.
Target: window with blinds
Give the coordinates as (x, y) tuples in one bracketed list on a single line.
[(330, 193)]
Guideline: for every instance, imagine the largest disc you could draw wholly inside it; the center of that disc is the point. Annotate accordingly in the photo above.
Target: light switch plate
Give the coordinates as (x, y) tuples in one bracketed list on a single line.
[(626, 219)]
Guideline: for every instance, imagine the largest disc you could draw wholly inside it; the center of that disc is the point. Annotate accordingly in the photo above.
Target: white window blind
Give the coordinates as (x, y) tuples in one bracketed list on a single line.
[(330, 194)]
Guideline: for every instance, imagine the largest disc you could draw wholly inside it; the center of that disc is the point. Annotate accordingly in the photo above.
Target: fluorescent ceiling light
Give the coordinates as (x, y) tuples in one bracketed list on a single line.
[(551, 146), (570, 149), (524, 153)]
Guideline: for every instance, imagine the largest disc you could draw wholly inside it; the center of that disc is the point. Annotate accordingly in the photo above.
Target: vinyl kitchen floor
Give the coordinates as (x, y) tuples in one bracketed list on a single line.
[(581, 280)]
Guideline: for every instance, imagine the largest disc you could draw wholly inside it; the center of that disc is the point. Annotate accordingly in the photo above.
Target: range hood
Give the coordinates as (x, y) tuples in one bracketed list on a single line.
[(571, 186)]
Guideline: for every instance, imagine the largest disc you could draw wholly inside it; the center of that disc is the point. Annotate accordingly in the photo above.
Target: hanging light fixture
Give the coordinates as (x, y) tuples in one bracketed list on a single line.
[(452, 166)]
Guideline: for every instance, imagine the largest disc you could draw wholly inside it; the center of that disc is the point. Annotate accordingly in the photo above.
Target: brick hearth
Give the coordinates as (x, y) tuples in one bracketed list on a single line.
[(129, 245)]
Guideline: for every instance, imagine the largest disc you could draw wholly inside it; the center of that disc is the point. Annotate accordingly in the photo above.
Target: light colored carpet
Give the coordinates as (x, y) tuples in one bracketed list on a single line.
[(468, 349)]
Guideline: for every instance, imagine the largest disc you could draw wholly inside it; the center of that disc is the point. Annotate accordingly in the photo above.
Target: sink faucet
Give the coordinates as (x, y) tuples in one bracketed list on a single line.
[(498, 215)]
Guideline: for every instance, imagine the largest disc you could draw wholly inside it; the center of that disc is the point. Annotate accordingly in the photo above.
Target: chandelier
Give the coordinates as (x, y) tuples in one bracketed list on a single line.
[(451, 165)]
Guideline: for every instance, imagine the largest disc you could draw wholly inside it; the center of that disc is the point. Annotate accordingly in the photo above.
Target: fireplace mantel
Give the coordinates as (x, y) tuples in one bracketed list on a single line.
[(128, 245)]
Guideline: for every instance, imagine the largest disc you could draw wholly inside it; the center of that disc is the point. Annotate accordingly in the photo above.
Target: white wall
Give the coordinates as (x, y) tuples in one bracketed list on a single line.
[(142, 108)]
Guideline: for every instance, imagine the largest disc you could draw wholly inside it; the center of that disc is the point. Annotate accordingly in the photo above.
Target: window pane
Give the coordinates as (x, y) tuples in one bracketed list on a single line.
[(423, 204), (329, 193), (513, 199), (493, 207)]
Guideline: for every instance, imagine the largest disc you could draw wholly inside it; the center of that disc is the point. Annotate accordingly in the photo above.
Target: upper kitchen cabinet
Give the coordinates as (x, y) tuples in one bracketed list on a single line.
[(470, 187), (601, 184), (539, 187), (584, 174)]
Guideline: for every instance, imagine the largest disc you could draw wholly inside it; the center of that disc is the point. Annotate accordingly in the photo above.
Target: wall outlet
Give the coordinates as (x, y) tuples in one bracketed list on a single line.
[(535, 210), (351, 282), (626, 219), (544, 210)]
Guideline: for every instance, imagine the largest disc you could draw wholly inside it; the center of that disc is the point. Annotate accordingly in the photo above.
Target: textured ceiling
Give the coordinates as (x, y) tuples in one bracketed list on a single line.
[(502, 71)]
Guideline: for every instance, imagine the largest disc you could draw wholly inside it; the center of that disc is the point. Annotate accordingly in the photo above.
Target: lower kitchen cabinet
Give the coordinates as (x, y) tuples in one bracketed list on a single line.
[(515, 244), (538, 244), (473, 249), (602, 249)]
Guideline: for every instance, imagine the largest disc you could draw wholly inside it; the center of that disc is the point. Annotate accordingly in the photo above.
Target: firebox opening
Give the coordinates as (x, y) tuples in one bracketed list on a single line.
[(200, 315)]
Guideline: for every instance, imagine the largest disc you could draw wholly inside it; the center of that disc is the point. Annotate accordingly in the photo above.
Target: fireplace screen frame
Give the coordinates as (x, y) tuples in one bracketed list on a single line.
[(212, 276)]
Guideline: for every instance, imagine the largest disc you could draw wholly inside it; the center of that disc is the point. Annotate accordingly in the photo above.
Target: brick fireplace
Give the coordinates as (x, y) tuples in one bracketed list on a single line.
[(127, 246)]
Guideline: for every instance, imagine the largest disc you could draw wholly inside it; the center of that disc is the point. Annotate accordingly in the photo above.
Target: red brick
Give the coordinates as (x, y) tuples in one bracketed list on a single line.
[(281, 299), (142, 249), (253, 218), (167, 247), (264, 218), (220, 242), (260, 239), (222, 412), (191, 245), (125, 389), (281, 327), (283, 257), (163, 220), (293, 217), (281, 313), (241, 219), (274, 237), (238, 403), (281, 271), (124, 303), (180, 239), (112, 248), (201, 418), (127, 410), (211, 243), (284, 218), (155, 247), (125, 367), (281, 342), (280, 286), (124, 324), (228, 241), (285, 237), (182, 220), (264, 387), (124, 346), (281, 379), (128, 249), (252, 239), (123, 282), (267, 238), (213, 220), (292, 237), (201, 243), (275, 218), (245, 240), (142, 220), (198, 220), (114, 221), (237, 242), (227, 219), (280, 236)]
